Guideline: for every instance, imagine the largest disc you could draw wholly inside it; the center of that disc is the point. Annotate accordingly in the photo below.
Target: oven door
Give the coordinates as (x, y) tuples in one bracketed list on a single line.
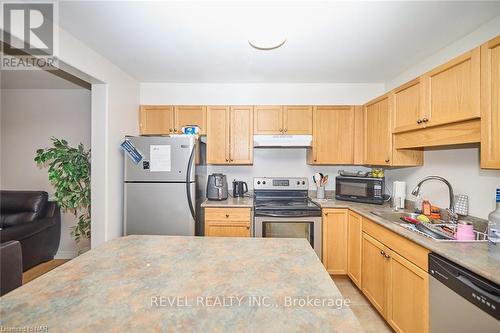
[(291, 227)]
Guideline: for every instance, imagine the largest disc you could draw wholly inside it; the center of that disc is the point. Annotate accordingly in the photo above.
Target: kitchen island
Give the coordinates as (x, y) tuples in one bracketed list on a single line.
[(196, 284)]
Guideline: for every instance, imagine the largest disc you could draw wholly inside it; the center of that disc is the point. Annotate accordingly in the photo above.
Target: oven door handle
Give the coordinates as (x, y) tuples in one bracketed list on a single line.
[(273, 215)]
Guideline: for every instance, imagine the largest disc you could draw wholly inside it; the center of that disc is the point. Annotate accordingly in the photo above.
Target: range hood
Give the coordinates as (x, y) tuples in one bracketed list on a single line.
[(278, 141)]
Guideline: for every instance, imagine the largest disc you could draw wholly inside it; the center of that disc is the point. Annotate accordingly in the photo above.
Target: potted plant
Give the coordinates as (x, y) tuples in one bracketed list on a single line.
[(69, 173)]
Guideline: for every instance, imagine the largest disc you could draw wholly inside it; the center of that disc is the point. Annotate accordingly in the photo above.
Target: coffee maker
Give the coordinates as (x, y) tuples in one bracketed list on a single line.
[(239, 188)]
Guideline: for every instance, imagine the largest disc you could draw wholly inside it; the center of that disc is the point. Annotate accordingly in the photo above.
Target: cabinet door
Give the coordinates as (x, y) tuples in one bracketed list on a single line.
[(373, 273), (156, 120), (452, 90), (359, 135), (408, 296), (407, 106), (241, 135), (190, 115), (354, 247), (378, 145), (297, 119), (227, 229), (335, 241), (490, 104), (218, 135), (333, 134), (268, 119)]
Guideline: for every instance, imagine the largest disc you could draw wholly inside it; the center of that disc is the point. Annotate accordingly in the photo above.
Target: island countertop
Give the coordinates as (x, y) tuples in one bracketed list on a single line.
[(169, 283)]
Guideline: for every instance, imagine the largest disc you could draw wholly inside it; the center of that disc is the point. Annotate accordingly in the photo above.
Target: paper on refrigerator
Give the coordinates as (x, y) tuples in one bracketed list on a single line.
[(159, 158)]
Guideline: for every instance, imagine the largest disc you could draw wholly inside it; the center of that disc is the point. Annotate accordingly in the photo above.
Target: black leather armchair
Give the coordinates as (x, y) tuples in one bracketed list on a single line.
[(28, 217)]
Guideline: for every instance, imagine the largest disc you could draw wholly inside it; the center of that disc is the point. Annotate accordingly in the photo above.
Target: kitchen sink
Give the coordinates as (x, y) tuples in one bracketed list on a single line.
[(437, 230)]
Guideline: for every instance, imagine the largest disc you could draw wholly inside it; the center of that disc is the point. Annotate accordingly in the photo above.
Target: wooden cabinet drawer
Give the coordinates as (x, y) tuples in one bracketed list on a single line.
[(404, 247), (227, 214)]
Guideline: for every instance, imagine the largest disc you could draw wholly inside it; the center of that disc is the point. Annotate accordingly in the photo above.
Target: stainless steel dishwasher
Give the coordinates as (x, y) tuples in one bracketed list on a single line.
[(461, 301)]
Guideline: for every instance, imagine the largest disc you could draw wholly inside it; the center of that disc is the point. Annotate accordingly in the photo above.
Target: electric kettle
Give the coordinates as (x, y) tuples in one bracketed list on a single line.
[(239, 188), (217, 187)]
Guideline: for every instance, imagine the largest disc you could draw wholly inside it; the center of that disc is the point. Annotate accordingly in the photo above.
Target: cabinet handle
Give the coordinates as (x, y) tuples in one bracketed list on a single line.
[(419, 121), (227, 216), (175, 129), (281, 130), (387, 256), (227, 159), (425, 120), (387, 160), (232, 160), (286, 130), (382, 253), (248, 228), (170, 130)]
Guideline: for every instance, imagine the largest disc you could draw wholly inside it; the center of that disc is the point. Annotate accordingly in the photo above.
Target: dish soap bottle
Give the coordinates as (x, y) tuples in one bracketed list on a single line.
[(418, 204), (494, 229)]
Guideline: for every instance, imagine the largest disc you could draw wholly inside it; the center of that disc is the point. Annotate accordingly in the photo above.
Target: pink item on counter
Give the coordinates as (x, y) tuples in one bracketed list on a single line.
[(465, 232)]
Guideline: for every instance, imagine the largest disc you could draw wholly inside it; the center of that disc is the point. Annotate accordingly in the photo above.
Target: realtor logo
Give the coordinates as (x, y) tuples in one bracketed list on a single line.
[(28, 35)]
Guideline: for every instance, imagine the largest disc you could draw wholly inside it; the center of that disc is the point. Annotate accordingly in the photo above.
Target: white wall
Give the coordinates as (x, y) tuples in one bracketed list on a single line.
[(259, 93), (115, 104), (29, 119), (460, 166)]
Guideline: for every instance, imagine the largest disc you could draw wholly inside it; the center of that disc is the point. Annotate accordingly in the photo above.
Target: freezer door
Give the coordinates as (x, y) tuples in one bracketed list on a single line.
[(181, 159), (159, 209)]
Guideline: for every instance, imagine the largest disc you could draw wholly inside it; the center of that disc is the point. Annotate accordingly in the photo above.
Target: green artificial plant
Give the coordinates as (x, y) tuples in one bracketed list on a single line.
[(69, 173)]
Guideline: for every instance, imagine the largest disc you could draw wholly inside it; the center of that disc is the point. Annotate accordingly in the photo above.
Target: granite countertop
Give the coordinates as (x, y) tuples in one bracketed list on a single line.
[(174, 283), (241, 202), (473, 256)]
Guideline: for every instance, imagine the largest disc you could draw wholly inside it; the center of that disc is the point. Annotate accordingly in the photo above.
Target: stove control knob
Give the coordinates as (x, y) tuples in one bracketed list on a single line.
[(264, 182), (258, 182), (298, 182), (303, 182)]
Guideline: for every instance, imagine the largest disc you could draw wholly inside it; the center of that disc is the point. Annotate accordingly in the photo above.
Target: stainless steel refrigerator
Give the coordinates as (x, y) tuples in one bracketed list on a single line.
[(163, 191)]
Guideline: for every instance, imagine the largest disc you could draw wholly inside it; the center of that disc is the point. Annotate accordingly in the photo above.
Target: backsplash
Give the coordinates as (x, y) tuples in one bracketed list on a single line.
[(280, 162)]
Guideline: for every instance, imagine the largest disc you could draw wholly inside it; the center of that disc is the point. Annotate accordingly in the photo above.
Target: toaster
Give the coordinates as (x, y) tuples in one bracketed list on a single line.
[(217, 187)]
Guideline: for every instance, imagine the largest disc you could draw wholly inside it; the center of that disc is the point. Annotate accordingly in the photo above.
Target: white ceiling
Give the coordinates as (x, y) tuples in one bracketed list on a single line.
[(326, 41)]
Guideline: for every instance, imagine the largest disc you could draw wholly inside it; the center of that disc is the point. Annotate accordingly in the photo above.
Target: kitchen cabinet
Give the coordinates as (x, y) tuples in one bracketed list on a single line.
[(354, 246), (227, 222), (408, 106), (230, 135), (490, 104), (190, 115), (156, 119), (335, 240), (359, 135), (333, 135), (276, 119), (452, 91), (379, 148), (408, 295), (167, 119), (374, 273), (268, 119)]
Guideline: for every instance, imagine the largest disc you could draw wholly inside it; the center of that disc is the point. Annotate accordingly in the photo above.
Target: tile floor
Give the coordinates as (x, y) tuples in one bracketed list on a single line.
[(369, 318)]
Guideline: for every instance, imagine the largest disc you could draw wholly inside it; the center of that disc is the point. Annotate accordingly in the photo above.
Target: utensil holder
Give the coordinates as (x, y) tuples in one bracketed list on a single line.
[(320, 192)]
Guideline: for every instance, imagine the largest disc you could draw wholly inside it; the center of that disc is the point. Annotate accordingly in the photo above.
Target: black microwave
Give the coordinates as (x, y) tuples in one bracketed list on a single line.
[(360, 189)]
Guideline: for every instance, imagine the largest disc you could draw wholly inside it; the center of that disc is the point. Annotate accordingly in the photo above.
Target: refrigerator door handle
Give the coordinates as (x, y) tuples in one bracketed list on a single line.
[(188, 184)]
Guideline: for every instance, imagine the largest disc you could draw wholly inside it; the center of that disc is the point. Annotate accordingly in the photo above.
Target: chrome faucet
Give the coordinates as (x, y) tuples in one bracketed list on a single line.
[(453, 217)]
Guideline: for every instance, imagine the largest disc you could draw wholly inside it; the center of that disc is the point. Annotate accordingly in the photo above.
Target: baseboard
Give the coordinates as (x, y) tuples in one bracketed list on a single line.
[(66, 254)]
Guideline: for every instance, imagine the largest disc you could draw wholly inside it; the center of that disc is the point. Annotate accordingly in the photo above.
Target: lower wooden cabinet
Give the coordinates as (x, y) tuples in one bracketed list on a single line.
[(354, 242), (335, 240), (374, 273), (228, 222)]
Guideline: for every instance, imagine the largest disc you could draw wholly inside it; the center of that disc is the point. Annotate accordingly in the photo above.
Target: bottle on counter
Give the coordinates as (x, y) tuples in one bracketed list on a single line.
[(494, 228), (418, 204), (426, 208)]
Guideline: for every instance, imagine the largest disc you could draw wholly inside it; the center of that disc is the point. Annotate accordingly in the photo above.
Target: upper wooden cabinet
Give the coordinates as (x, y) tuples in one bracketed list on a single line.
[(452, 90), (359, 135), (166, 119), (333, 135), (190, 115), (230, 135), (490, 104), (379, 148), (408, 106), (276, 119), (156, 120), (297, 119), (378, 133)]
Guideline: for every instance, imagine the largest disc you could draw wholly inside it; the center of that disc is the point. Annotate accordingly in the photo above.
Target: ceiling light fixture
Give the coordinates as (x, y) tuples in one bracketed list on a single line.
[(266, 47)]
